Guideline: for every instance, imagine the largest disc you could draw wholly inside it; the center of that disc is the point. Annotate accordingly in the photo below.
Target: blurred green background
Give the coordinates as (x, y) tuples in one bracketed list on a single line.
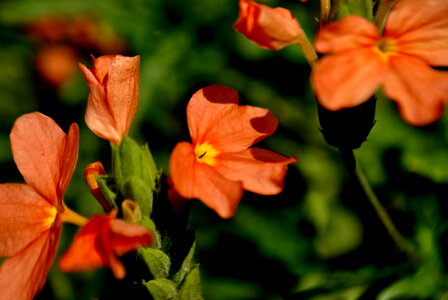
[(320, 238)]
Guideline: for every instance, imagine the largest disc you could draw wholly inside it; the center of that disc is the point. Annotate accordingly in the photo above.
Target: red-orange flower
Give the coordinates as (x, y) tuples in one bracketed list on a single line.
[(114, 89), (270, 28), (219, 164), (100, 241), (415, 38), (31, 213)]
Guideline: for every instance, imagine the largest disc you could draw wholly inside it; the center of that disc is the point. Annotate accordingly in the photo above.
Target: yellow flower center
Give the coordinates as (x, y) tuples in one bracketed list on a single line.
[(49, 220), (386, 47), (205, 153)]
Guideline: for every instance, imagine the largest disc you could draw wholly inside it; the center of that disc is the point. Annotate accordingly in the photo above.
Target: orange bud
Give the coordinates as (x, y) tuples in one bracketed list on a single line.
[(93, 170), (114, 82), (270, 28)]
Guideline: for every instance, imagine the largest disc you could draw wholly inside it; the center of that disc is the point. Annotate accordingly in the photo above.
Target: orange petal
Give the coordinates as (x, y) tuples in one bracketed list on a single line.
[(419, 90), (42, 154), (23, 275), (350, 33), (347, 79), (69, 159), (84, 252), (114, 82), (101, 66), (99, 117), (100, 240), (24, 216), (123, 86), (127, 236), (261, 171), (193, 179), (270, 28), (214, 116), (421, 29)]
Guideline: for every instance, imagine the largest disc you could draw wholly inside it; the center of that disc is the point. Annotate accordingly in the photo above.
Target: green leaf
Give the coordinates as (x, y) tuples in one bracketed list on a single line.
[(191, 288), (157, 261), (161, 289), (136, 189), (343, 8), (186, 265), (150, 173), (433, 166), (342, 234)]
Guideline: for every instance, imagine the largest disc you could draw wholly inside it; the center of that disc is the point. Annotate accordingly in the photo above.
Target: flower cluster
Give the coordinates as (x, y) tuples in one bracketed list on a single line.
[(215, 169), (32, 213), (359, 59)]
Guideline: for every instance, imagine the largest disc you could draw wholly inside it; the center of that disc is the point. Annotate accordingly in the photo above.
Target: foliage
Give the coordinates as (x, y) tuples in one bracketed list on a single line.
[(318, 239)]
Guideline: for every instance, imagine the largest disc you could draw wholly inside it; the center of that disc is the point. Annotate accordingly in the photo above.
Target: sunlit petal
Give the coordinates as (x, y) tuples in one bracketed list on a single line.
[(352, 32), (348, 79), (38, 146), (419, 91), (261, 171), (193, 179), (421, 29), (24, 216), (214, 117)]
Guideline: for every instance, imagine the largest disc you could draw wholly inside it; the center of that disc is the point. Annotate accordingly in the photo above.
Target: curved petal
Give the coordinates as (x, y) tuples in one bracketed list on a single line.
[(123, 86), (127, 236), (84, 253), (270, 28), (193, 179), (421, 29), (23, 275), (24, 216), (347, 79), (101, 66), (98, 115), (114, 90), (38, 147), (214, 117), (100, 240), (69, 159), (350, 33), (419, 90), (261, 171)]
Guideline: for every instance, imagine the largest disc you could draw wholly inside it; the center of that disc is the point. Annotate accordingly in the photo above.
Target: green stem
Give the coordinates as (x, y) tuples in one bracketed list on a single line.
[(308, 49), (325, 7), (382, 13), (349, 160)]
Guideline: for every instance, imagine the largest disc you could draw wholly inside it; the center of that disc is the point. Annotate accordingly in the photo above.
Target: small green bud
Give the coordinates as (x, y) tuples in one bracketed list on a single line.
[(135, 173), (131, 211)]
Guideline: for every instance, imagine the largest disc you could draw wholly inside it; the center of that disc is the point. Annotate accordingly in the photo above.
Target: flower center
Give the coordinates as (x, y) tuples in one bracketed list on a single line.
[(49, 220), (205, 153), (387, 46)]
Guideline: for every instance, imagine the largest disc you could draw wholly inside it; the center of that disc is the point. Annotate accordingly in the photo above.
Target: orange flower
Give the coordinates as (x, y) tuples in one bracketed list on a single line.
[(57, 63), (113, 99), (270, 28), (31, 213), (219, 164), (414, 39), (100, 240)]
